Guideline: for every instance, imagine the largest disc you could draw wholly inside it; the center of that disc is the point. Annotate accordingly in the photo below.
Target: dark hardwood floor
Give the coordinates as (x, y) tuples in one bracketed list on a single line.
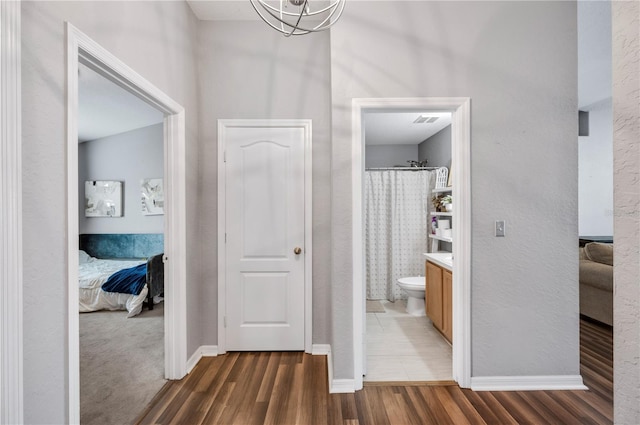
[(291, 388)]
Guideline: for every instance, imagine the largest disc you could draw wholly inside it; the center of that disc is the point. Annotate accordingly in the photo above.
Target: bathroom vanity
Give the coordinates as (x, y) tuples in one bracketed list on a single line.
[(438, 295)]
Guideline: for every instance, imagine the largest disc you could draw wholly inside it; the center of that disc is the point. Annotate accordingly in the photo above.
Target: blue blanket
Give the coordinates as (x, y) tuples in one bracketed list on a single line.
[(127, 281)]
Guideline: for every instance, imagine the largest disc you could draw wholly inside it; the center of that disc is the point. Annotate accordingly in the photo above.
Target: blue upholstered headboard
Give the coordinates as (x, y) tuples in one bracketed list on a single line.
[(122, 245)]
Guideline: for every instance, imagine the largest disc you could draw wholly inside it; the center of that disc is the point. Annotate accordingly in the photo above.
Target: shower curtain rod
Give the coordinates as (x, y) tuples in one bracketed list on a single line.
[(402, 168)]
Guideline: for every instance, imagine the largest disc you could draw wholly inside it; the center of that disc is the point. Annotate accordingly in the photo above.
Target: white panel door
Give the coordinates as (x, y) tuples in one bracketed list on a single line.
[(264, 210)]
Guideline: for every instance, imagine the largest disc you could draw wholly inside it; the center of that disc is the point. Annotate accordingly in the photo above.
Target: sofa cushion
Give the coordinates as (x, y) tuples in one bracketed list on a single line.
[(599, 252), (596, 274)]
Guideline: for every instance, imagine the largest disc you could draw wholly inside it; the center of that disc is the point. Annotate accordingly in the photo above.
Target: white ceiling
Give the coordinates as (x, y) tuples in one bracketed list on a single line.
[(223, 10), (398, 128), (105, 109)]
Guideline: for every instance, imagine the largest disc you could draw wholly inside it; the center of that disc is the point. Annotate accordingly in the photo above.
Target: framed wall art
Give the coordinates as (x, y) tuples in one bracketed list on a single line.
[(102, 198), (152, 196)]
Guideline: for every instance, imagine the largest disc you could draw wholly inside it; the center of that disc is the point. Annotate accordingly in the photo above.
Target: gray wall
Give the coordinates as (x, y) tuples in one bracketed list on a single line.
[(437, 149), (127, 157), (525, 286), (626, 157), (595, 172), (389, 155), (248, 70), (157, 39)]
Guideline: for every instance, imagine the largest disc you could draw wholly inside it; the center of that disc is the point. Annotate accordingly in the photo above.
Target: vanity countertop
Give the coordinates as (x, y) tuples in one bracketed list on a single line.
[(443, 259)]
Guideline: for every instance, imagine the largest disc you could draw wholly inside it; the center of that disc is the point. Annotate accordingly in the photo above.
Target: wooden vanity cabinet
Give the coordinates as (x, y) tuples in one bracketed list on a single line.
[(447, 305), (438, 298), (433, 294)]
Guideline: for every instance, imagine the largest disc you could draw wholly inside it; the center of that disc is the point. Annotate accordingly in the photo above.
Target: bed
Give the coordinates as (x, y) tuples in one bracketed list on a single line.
[(114, 283)]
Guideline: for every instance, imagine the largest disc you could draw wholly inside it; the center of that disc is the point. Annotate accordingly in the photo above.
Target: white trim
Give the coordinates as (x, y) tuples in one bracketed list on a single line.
[(223, 124), (527, 383), (320, 349), (342, 386), (11, 326), (202, 351), (460, 107), (81, 48), (337, 386)]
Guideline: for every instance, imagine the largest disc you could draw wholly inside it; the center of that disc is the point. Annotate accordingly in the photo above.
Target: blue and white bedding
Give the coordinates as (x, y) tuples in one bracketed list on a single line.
[(93, 273)]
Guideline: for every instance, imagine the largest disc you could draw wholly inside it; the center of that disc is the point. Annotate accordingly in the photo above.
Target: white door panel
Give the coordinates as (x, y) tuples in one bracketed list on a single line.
[(264, 224)]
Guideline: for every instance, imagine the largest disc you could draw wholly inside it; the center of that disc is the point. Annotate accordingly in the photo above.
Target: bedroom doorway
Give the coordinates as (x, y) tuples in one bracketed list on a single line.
[(82, 50)]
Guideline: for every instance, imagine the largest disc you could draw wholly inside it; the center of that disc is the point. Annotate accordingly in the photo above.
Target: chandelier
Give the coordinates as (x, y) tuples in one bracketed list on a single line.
[(297, 17)]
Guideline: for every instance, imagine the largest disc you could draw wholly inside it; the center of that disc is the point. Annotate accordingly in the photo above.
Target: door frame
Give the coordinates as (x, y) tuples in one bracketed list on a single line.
[(460, 108), (11, 257), (223, 126), (81, 48)]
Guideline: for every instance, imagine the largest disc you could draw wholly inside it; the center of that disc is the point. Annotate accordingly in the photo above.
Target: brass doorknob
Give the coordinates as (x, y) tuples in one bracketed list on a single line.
[(297, 250)]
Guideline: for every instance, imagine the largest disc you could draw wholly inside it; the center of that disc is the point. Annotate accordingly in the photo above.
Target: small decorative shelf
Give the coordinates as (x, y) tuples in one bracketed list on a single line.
[(442, 189), (442, 214), (440, 238)]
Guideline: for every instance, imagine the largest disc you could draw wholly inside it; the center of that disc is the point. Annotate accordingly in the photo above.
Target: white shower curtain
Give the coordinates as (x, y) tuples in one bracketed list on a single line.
[(397, 204)]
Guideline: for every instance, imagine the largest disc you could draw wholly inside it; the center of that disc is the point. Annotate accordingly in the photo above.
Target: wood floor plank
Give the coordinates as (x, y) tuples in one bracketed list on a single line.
[(416, 406), (280, 395), (491, 411), (249, 392), (334, 410), (435, 407), (451, 407), (320, 390), (519, 409), (470, 413), (269, 378), (217, 408), (205, 391), (292, 388), (365, 415), (378, 411), (394, 406), (349, 408), (565, 415)]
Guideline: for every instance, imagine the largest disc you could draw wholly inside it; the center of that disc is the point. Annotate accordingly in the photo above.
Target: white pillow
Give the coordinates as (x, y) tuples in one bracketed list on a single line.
[(83, 257)]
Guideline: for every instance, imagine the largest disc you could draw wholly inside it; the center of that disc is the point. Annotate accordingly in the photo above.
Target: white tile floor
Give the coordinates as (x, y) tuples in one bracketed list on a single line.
[(401, 347)]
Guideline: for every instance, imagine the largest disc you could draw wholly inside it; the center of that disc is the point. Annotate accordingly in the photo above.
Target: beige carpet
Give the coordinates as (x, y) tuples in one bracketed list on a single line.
[(375, 306), (121, 364)]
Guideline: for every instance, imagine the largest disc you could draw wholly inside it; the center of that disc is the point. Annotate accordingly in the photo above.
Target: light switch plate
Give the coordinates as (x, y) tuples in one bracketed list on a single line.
[(500, 228)]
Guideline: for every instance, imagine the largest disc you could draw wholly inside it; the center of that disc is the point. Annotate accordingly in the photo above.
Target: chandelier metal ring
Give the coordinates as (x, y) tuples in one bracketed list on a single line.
[(304, 20)]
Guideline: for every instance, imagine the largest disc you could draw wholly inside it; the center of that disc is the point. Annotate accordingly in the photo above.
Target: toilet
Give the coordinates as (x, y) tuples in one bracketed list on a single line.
[(415, 289)]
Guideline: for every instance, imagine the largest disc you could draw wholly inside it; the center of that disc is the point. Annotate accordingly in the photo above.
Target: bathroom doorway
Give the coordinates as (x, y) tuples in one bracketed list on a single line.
[(407, 154), (459, 108)]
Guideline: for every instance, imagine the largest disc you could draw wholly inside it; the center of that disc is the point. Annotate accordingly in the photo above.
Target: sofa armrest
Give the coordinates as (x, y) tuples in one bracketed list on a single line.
[(596, 274)]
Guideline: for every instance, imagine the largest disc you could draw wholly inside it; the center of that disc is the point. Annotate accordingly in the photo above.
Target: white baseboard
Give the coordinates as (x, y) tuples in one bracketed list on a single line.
[(527, 383), (335, 385), (341, 386), (320, 349), (202, 351)]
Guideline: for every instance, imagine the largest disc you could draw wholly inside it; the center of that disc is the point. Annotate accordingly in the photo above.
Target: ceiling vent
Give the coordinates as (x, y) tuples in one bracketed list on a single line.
[(425, 119)]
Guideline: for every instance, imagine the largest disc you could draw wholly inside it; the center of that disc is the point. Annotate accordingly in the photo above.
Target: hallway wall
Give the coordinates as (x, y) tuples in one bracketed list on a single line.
[(517, 61), (157, 39)]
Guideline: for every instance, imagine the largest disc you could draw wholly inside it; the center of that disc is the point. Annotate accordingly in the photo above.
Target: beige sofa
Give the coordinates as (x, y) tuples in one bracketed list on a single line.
[(596, 281)]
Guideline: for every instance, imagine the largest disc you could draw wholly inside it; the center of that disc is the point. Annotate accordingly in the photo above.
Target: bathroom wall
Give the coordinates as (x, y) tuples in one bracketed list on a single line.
[(437, 149), (390, 155)]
